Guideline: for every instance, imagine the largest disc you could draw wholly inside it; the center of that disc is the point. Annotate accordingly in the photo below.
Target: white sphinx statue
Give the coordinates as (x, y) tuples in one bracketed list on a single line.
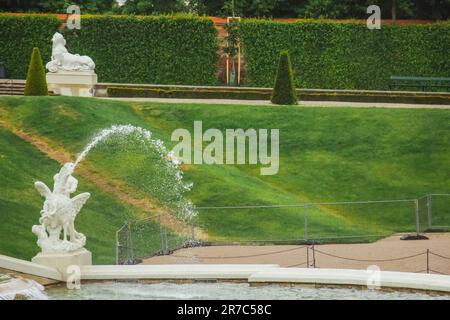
[(65, 61), (59, 213), (70, 74)]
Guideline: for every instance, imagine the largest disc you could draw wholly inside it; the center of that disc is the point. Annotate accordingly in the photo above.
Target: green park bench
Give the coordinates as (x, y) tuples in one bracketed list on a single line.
[(419, 82)]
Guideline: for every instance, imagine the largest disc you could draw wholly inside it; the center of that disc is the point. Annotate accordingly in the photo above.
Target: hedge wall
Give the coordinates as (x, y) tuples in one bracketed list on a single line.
[(347, 55), (178, 49), (18, 36), (183, 49), (187, 93)]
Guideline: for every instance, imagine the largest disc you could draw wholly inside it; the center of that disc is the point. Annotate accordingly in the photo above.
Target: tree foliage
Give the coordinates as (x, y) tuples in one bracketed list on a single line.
[(340, 9), (147, 7), (57, 6)]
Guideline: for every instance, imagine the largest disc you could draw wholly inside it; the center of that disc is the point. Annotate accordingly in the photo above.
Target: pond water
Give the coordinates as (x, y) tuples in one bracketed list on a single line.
[(224, 291)]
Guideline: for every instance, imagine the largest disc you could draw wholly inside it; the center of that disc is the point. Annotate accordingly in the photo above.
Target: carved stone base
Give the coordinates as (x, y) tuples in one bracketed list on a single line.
[(61, 261), (72, 83)]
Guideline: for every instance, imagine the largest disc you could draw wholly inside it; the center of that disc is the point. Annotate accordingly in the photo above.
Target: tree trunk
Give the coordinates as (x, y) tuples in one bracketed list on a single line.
[(394, 10), (437, 11)]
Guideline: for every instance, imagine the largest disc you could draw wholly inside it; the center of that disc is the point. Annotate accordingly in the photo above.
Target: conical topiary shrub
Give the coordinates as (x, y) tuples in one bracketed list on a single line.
[(284, 89), (36, 83)]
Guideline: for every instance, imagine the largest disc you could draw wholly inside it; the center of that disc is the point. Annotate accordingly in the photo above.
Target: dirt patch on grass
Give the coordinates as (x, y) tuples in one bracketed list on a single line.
[(121, 192), (67, 112)]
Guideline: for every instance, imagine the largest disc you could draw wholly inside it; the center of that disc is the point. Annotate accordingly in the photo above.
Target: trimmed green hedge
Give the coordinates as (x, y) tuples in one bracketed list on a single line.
[(183, 49), (265, 94), (186, 93), (36, 84), (179, 49), (333, 55), (19, 35), (284, 88)]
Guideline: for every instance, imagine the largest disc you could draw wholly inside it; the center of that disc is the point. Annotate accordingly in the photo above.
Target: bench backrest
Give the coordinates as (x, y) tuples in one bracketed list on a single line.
[(420, 78)]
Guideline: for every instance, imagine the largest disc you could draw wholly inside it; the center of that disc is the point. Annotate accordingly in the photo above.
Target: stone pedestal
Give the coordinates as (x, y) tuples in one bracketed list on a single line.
[(72, 83), (61, 261)]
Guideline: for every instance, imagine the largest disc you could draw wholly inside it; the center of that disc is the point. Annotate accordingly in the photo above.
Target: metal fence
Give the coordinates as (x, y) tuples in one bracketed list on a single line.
[(428, 260), (326, 222), (154, 235), (433, 213)]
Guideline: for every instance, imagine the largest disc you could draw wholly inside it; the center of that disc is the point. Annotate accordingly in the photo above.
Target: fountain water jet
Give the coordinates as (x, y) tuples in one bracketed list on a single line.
[(59, 210), (120, 130), (185, 208)]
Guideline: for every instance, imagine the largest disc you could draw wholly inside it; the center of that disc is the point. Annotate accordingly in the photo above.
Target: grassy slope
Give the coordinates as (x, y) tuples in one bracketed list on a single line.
[(20, 165), (326, 155)]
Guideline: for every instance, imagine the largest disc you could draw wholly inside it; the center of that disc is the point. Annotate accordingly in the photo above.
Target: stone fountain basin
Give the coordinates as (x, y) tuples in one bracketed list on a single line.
[(19, 288)]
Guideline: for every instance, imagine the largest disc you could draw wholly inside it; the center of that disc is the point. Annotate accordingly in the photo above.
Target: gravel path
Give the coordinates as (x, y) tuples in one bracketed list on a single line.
[(289, 255), (329, 104)]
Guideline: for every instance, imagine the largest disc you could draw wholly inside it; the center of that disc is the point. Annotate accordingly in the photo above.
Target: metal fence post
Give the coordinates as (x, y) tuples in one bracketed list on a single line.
[(305, 217), (428, 260), (166, 247), (161, 234), (192, 228), (416, 203), (117, 247), (430, 212), (314, 256), (307, 256), (127, 250), (130, 243)]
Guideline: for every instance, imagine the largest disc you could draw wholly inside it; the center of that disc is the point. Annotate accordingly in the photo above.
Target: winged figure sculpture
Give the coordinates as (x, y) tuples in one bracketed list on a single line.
[(59, 212)]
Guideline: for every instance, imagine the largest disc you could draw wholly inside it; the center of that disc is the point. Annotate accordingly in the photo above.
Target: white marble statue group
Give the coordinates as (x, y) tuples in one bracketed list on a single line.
[(62, 60), (59, 213)]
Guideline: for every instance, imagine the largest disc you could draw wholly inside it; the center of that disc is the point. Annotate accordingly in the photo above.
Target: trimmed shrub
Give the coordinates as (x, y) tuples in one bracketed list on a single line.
[(284, 89), (344, 55), (19, 35), (36, 84), (186, 93)]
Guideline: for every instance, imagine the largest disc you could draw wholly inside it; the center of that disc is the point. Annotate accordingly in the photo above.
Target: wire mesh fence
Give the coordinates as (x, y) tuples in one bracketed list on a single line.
[(433, 213), (327, 222), (313, 222), (140, 239)]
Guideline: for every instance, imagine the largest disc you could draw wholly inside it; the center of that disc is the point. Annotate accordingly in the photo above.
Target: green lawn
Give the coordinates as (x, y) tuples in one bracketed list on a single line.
[(326, 154), (20, 166)]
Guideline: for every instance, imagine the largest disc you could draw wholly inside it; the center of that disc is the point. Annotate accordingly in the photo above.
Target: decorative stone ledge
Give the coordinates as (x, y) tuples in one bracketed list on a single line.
[(29, 268), (387, 279), (72, 83), (172, 272), (61, 261)]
